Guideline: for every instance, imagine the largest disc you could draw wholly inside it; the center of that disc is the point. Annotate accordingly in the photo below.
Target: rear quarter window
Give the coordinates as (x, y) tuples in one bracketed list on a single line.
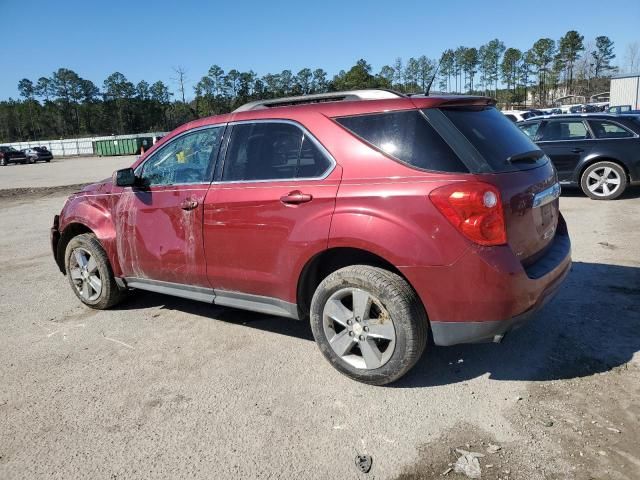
[(407, 137)]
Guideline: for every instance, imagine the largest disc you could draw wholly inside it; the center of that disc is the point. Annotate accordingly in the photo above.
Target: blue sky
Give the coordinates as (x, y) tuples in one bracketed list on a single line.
[(144, 40)]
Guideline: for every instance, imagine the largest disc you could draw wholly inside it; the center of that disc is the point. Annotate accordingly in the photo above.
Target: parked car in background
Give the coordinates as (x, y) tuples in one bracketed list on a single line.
[(586, 108), (38, 154), (279, 207), (600, 153), (11, 155), (520, 115), (619, 109)]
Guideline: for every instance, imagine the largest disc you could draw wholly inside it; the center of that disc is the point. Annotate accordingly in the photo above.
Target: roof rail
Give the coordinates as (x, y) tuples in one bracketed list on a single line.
[(350, 95)]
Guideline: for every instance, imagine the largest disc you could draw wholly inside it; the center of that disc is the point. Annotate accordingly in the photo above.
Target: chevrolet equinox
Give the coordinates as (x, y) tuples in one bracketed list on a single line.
[(383, 219)]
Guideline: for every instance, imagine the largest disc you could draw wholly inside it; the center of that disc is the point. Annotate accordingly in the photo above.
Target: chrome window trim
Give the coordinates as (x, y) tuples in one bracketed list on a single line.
[(170, 141), (304, 130)]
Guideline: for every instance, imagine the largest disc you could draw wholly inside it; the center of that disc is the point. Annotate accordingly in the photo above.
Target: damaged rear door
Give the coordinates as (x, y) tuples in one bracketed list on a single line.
[(159, 221)]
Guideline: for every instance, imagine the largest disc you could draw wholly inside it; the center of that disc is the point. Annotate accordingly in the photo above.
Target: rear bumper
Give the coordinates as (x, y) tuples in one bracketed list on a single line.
[(452, 333), (488, 292)]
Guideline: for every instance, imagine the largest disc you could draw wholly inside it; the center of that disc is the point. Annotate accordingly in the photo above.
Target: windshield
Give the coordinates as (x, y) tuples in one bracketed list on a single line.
[(498, 140)]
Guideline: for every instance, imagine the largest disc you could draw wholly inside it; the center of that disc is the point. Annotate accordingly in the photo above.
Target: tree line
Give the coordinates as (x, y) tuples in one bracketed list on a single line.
[(67, 105)]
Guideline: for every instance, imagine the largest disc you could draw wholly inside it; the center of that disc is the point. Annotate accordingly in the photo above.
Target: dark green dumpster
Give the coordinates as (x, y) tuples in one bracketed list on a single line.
[(121, 146)]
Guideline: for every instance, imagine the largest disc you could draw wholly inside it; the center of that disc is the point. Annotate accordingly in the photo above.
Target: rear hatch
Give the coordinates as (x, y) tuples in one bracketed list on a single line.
[(494, 149)]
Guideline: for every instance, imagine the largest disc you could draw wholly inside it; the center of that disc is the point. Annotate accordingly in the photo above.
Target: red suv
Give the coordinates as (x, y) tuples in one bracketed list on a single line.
[(381, 218)]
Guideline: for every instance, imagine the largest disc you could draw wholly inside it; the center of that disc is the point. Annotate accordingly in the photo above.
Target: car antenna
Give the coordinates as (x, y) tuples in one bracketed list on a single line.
[(426, 91)]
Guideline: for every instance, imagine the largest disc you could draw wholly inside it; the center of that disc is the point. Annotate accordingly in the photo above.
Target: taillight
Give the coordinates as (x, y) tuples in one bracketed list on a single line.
[(475, 209)]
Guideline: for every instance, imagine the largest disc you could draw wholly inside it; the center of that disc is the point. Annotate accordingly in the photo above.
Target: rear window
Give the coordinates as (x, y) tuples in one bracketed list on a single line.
[(604, 129), (408, 137), (494, 136)]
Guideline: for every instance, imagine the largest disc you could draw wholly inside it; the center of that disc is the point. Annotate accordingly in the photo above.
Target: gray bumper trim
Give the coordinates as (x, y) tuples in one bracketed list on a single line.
[(452, 333)]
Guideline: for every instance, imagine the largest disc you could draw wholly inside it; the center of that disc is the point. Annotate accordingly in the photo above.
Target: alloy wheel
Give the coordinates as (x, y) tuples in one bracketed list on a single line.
[(359, 328), (603, 181), (84, 272)]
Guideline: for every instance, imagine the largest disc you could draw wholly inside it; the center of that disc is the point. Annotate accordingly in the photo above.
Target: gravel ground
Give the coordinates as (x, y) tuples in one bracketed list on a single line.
[(166, 388), (61, 171)]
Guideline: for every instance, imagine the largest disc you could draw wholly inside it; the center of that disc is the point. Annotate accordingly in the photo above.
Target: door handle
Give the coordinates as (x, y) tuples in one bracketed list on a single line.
[(295, 198), (188, 204), (577, 150)]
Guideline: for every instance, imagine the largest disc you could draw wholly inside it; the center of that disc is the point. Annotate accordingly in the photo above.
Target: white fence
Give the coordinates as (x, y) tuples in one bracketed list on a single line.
[(76, 146)]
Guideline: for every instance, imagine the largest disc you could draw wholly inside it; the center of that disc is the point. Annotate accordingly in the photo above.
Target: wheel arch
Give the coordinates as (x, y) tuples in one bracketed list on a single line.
[(328, 261), (590, 161), (70, 231)]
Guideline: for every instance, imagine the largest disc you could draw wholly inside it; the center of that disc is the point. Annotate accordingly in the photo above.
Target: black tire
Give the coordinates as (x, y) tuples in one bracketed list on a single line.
[(402, 306), (48, 160), (110, 294), (3, 162), (618, 174), (30, 160)]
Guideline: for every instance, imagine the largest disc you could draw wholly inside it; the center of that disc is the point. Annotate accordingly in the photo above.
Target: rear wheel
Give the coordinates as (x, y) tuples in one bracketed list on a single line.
[(368, 323), (604, 181), (90, 274)]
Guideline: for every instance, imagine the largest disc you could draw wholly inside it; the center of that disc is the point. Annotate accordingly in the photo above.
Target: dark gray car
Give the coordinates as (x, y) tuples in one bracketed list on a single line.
[(600, 153), (38, 154)]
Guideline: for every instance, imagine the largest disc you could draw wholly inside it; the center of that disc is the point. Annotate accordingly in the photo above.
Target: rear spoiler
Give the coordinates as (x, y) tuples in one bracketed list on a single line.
[(452, 101)]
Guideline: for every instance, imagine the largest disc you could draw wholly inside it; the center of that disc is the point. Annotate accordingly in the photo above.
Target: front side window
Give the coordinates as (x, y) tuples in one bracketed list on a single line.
[(406, 136), (187, 159), (604, 129), (564, 130), (530, 129), (272, 151)]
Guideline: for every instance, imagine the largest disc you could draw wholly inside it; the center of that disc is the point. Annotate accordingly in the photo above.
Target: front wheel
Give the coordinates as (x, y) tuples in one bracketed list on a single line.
[(368, 323), (3, 162), (604, 181), (90, 273)]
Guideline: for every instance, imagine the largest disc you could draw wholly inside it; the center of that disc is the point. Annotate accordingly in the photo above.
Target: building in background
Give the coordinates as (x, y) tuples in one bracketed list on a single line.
[(625, 90)]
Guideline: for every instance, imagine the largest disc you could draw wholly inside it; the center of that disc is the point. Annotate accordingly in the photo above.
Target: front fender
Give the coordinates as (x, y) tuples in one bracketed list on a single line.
[(94, 213)]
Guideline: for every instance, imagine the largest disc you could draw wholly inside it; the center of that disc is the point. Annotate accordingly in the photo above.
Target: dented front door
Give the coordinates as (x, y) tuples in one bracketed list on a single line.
[(159, 234), (159, 222)]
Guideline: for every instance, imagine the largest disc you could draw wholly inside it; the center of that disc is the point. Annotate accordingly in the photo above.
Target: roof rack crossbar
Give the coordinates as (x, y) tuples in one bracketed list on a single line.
[(350, 95)]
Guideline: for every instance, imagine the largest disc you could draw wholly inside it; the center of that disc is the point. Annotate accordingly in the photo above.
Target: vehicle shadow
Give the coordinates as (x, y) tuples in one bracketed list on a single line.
[(267, 323), (592, 326)]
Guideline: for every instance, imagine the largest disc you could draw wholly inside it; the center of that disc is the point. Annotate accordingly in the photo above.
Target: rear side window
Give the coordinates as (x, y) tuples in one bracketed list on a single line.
[(272, 151), (565, 130), (406, 136), (494, 136), (604, 129), (530, 130)]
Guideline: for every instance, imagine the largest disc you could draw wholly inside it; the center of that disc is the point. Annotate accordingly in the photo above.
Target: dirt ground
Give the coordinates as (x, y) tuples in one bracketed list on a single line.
[(61, 172), (166, 388)]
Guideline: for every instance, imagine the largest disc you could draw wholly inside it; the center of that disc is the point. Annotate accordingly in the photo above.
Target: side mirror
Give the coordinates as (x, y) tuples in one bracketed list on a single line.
[(124, 178)]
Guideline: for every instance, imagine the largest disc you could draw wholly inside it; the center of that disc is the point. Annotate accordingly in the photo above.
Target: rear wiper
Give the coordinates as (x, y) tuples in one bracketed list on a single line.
[(530, 156)]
